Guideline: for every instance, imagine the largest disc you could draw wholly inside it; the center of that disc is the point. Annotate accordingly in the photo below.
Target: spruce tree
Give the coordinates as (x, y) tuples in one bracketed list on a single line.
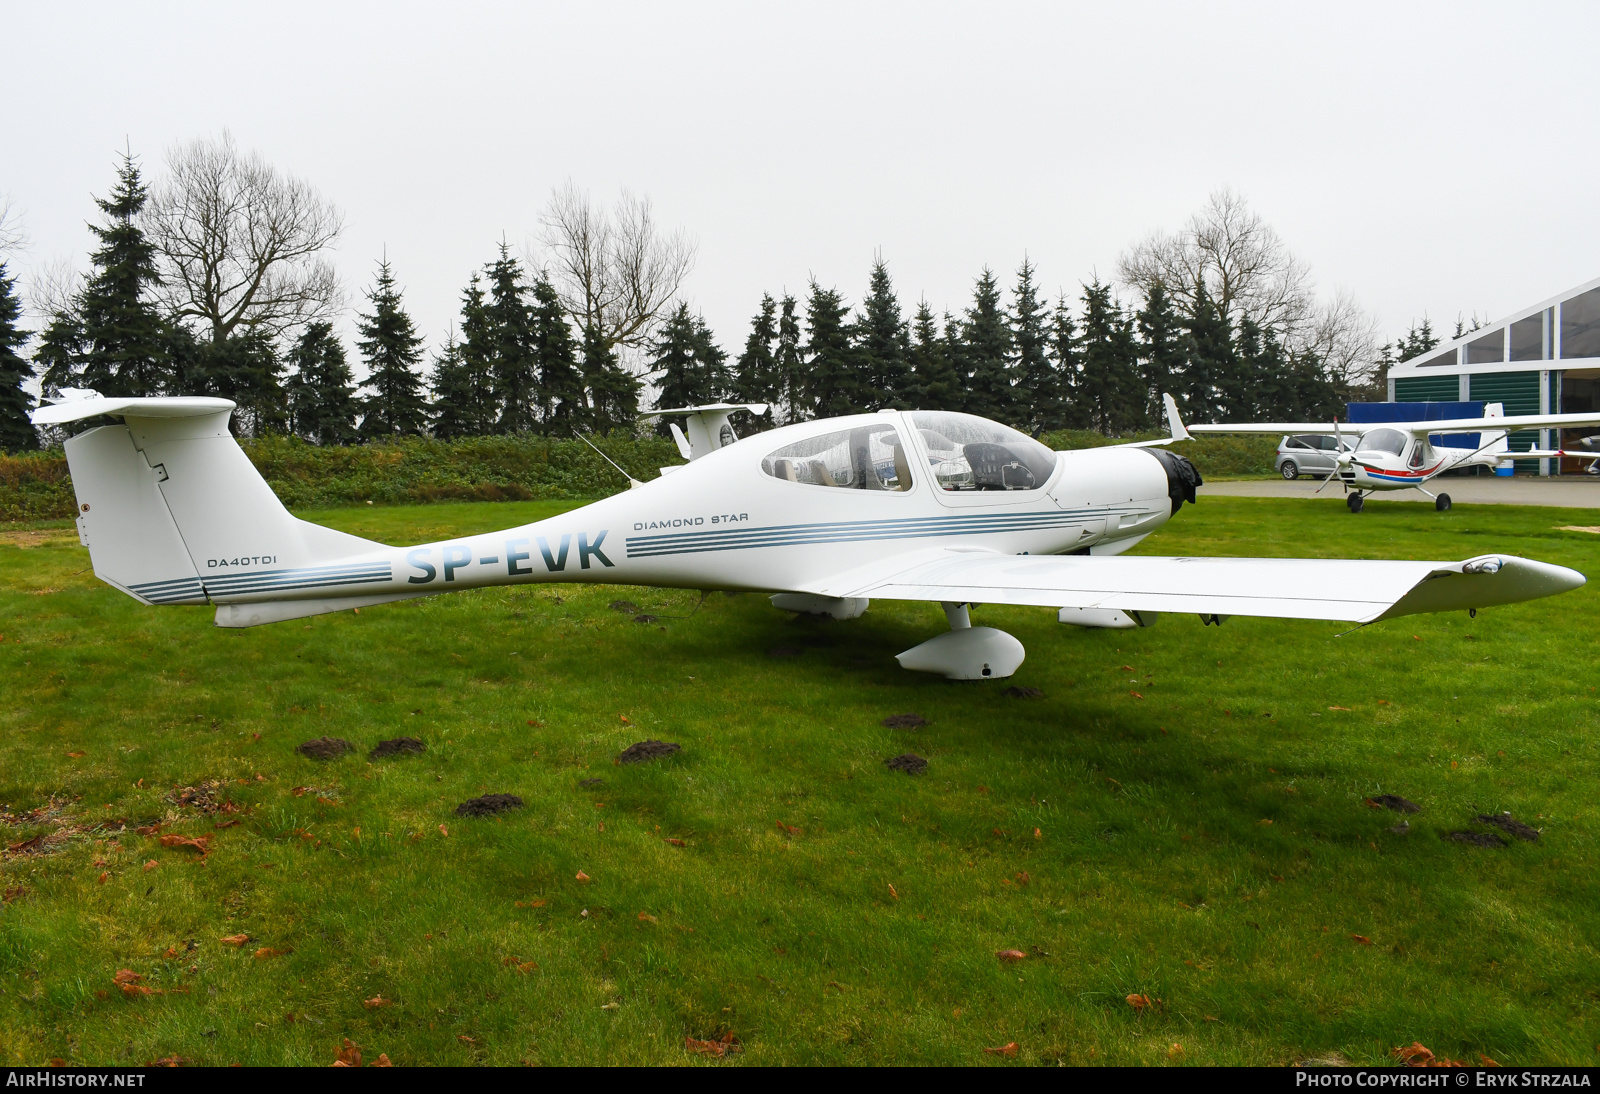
[(832, 377), (756, 377), (1038, 392), (392, 351), (986, 349), (789, 362), (508, 344), (1109, 384), (883, 345), (244, 367), (1211, 366), (1075, 408), (463, 383), (688, 367), (59, 355), (935, 384), (560, 378), (613, 393), (124, 343), (1161, 350), (16, 431), (321, 390)]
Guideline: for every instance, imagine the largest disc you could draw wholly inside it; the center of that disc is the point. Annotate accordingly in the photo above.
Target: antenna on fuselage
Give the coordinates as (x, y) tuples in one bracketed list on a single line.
[(633, 483)]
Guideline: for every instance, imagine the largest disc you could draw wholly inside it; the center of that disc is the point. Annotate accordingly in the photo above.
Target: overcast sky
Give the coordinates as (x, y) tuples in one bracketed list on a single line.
[(1431, 159)]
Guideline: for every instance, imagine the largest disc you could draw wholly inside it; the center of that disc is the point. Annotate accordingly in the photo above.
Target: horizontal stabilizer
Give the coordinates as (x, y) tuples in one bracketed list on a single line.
[(76, 410)]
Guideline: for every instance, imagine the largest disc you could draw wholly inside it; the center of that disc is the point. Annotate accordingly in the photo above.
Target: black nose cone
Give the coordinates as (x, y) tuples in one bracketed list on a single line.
[(1182, 478)]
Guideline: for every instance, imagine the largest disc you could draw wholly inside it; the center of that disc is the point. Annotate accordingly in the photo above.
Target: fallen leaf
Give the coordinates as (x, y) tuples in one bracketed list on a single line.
[(1128, 668), (893, 893), (1486, 1061), (1361, 938), (1139, 1002), (224, 824), (103, 875), (148, 830), (235, 940), (1038, 834), (76, 755), (1007, 1049), (151, 865), (674, 842), (1136, 695), (376, 1001), (382, 1060), (613, 1005), (443, 831), (299, 791), (530, 904), (268, 951), (349, 1056), (1010, 955), (582, 876), (1383, 702), (1175, 1051), (625, 718), (1338, 708), (535, 724), (466, 1039), (790, 829), (168, 1061), (728, 1044), (1415, 1054), (1264, 821), (1024, 877), (171, 952), (646, 917), (199, 843), (326, 801), (1210, 1018)]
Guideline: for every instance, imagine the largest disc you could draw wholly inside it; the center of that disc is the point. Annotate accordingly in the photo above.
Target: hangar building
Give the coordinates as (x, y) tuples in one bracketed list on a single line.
[(1541, 359)]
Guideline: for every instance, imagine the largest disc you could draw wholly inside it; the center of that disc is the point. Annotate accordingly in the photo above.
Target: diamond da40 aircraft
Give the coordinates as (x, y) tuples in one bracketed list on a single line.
[(823, 515), (1399, 455)]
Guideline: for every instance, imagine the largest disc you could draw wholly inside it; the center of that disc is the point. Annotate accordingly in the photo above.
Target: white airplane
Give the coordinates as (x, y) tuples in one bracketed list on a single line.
[(1398, 455), (825, 515)]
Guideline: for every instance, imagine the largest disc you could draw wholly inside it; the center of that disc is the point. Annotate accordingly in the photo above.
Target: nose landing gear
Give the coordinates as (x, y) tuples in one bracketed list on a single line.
[(1442, 502), (1354, 502)]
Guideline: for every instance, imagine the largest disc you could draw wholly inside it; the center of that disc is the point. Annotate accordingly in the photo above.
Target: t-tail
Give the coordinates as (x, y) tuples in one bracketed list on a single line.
[(174, 512)]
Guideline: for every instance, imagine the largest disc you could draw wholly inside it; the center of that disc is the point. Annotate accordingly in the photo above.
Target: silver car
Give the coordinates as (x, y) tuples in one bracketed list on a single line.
[(1309, 454)]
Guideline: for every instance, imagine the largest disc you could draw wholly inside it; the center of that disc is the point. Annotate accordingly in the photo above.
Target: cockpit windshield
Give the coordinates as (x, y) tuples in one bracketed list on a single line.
[(1389, 441), (971, 453)]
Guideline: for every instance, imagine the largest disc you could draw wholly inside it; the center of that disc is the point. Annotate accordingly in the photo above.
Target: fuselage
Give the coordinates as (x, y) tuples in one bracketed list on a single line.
[(755, 516)]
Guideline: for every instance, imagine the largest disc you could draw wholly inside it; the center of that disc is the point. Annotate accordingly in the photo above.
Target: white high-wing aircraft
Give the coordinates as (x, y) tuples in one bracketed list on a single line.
[(826, 515), (1398, 455)]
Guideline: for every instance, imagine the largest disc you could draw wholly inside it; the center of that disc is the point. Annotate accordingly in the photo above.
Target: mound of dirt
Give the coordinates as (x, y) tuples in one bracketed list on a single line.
[(1397, 803), (488, 805), (1017, 691), (325, 748), (1402, 828), (784, 651), (644, 618), (206, 797), (1507, 823), (647, 750), (626, 607), (909, 762), (396, 746), (1476, 839), (591, 782), (905, 721)]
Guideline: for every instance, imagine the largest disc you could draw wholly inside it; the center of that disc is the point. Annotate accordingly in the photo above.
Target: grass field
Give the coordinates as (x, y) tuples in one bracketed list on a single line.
[(1180, 816)]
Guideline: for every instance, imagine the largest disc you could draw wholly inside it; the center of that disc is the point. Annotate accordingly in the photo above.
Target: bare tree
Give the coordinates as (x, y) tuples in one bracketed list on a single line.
[(54, 289), (616, 272), (12, 236), (241, 244), (1230, 254)]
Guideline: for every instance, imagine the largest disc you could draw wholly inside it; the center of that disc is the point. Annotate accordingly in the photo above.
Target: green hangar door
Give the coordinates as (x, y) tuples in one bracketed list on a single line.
[(1519, 391)]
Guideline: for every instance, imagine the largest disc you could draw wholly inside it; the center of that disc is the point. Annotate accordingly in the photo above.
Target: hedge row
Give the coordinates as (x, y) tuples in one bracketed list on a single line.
[(36, 486)]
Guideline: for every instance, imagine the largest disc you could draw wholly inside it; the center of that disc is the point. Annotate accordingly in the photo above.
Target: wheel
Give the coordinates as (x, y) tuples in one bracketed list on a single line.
[(1290, 469), (1356, 502), (1350, 500), (1442, 502)]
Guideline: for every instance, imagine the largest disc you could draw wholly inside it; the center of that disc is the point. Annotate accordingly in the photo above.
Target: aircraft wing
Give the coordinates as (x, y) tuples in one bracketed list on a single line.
[(1288, 588), (1278, 427), (1484, 425)]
